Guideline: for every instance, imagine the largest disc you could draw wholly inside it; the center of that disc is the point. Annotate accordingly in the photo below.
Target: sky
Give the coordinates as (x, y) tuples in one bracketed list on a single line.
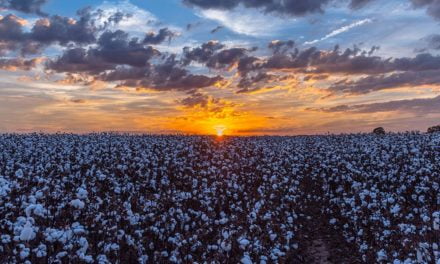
[(243, 67)]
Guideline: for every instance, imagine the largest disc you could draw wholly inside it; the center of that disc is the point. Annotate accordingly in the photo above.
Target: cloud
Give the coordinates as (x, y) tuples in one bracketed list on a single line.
[(18, 64), (113, 48), (63, 30), (280, 46), (25, 6), (422, 62), (287, 7), (249, 23), (163, 35), (316, 77), (183, 81), (313, 60), (348, 61), (418, 106), (125, 73), (196, 99), (340, 30), (216, 29), (136, 21), (214, 55), (382, 82), (432, 7), (259, 81), (249, 64), (78, 100), (77, 60), (116, 47), (12, 36), (433, 41), (356, 4)]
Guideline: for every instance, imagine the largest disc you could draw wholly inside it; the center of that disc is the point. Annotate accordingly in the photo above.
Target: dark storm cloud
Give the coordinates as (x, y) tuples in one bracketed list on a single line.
[(420, 106), (25, 6), (226, 58), (116, 47), (280, 46), (78, 60), (248, 64), (164, 34), (11, 28), (201, 54), (18, 63), (44, 32), (12, 36), (113, 49), (381, 82), (421, 62), (213, 55), (63, 30)]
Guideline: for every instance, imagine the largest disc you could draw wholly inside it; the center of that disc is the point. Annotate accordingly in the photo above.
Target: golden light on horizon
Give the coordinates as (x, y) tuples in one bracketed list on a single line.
[(220, 129)]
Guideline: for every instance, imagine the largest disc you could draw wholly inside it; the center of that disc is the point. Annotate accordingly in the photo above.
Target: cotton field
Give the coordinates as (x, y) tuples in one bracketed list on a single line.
[(111, 198)]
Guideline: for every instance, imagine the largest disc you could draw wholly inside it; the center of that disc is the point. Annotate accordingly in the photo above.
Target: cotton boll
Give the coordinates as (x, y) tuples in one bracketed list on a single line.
[(19, 174), (81, 193), (27, 233), (243, 242), (24, 253), (40, 251), (5, 239), (36, 209), (78, 204), (246, 259)]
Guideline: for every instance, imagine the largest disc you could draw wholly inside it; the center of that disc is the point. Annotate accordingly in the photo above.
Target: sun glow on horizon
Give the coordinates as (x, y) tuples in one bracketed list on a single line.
[(220, 129)]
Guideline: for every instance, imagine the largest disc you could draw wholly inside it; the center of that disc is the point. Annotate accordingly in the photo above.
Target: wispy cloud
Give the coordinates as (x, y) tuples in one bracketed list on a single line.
[(245, 21), (139, 20), (340, 30)]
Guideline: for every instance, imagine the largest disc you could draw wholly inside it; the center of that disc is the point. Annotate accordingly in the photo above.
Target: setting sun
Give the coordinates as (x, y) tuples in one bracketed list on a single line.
[(220, 129)]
